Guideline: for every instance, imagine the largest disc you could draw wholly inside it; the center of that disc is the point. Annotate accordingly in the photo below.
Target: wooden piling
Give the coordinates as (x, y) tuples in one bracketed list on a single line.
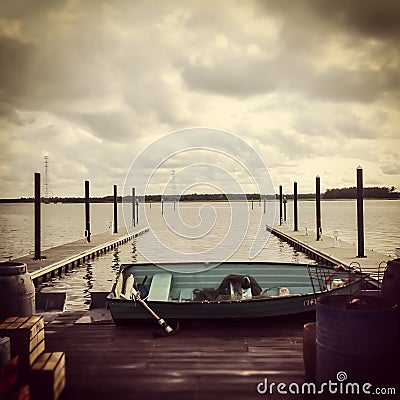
[(295, 215), (360, 213), (115, 210), (37, 216), (280, 204), (87, 211), (284, 207), (137, 211), (318, 205), (133, 206)]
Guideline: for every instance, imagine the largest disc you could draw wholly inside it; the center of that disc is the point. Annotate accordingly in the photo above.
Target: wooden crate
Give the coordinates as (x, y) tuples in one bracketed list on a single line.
[(26, 339), (47, 378)]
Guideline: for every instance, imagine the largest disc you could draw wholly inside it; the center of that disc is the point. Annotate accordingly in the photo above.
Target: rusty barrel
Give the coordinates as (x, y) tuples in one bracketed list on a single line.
[(357, 336), (391, 282), (17, 292)]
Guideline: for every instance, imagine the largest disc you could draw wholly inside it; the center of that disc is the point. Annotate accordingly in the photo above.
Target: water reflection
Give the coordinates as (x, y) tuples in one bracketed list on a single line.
[(115, 259), (88, 277), (134, 251)]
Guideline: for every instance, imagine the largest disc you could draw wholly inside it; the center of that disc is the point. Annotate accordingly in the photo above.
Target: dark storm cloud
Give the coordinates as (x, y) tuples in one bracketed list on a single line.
[(360, 85), (21, 9), (307, 27), (372, 18), (379, 19), (15, 57)]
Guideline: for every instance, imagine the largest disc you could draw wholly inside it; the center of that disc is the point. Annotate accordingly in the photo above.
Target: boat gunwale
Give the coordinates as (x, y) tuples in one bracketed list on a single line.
[(110, 297)]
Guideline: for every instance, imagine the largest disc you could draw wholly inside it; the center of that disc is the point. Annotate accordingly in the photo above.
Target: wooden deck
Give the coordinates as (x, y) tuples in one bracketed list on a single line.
[(328, 251), (201, 361), (57, 260)]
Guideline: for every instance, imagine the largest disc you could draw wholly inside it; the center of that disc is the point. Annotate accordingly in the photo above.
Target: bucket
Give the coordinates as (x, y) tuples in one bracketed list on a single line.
[(17, 292), (358, 338), (309, 351)]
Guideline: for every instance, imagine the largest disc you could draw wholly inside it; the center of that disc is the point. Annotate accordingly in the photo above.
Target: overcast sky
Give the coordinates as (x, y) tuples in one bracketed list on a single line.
[(313, 86)]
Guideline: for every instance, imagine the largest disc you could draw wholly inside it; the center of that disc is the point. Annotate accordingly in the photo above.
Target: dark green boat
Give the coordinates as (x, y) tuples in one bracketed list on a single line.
[(227, 290)]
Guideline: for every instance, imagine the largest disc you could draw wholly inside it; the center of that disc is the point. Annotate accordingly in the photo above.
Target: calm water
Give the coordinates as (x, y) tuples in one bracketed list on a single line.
[(213, 228)]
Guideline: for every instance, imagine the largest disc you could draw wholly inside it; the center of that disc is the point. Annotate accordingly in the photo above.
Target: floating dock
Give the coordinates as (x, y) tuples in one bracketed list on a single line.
[(60, 259), (330, 250)]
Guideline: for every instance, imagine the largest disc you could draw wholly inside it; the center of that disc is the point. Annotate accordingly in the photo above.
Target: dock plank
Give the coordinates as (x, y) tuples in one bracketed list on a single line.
[(57, 258), (203, 360)]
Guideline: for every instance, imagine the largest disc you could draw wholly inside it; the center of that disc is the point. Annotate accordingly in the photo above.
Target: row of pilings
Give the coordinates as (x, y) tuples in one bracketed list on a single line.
[(37, 212), (318, 223)]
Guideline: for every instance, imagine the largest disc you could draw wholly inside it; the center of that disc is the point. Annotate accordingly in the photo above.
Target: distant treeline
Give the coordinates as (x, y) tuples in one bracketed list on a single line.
[(368, 193), (343, 193)]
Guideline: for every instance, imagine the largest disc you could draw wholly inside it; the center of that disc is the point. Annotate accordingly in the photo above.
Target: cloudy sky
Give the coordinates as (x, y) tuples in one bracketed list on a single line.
[(313, 86)]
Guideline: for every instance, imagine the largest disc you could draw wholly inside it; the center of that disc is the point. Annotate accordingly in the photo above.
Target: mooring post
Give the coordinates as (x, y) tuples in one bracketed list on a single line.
[(37, 216), (284, 207), (137, 211), (115, 210), (360, 212), (295, 216), (133, 206), (318, 205), (280, 204), (162, 207), (87, 212)]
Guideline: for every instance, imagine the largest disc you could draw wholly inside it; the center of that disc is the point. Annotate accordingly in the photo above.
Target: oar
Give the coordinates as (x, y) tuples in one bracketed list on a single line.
[(136, 296)]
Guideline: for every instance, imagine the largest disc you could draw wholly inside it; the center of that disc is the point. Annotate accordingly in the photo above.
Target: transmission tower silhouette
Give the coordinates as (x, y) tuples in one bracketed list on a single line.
[(46, 181), (173, 186)]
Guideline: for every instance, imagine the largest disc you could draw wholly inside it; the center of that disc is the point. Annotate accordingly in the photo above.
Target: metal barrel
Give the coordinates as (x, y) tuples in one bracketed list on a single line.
[(391, 281), (17, 292), (391, 289), (357, 337)]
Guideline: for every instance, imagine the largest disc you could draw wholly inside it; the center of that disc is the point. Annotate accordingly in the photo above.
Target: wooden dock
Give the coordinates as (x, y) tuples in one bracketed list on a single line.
[(203, 360), (60, 259), (330, 251)]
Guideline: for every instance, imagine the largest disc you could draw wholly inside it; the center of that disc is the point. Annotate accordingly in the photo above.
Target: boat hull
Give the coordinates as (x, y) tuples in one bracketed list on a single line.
[(126, 310)]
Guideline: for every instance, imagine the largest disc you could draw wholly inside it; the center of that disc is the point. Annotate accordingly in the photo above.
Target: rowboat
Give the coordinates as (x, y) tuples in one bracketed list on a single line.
[(232, 290)]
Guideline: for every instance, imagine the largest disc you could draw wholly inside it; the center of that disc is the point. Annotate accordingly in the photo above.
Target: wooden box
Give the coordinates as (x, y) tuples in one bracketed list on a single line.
[(47, 378), (26, 339)]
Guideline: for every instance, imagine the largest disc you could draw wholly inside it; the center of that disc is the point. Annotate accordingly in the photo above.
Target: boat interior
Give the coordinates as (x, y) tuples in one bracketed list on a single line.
[(224, 282)]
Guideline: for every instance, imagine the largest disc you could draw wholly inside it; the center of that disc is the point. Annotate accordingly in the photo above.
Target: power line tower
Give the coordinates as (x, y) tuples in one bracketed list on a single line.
[(173, 186), (46, 182)]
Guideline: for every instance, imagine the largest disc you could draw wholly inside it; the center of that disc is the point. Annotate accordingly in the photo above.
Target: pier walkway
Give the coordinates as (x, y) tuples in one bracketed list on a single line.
[(203, 360), (329, 250), (60, 259)]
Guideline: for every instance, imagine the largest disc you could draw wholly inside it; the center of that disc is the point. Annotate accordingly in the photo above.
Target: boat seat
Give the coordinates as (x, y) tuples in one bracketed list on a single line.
[(128, 292), (119, 286), (160, 287), (186, 295)]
